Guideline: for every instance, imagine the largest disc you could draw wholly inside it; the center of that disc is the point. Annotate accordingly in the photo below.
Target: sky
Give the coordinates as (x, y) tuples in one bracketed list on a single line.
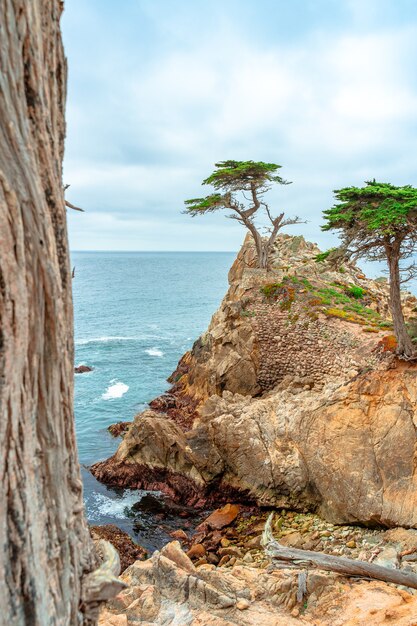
[(161, 90)]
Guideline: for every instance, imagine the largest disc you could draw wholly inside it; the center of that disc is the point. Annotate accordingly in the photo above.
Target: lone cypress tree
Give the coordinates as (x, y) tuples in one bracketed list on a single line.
[(234, 179), (379, 222)]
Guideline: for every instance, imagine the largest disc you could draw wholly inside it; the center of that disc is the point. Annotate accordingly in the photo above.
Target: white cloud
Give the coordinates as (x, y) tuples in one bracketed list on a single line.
[(334, 106)]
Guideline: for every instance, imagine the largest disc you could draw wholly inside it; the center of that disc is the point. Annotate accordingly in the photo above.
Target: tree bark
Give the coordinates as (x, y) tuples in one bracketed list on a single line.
[(405, 346), (45, 549)]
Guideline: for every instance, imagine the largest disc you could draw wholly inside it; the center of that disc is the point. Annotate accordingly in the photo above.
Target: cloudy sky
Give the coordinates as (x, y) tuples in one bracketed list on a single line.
[(159, 90)]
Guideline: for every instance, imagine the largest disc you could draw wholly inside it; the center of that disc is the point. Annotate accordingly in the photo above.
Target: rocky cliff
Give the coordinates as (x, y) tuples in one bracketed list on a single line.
[(292, 398)]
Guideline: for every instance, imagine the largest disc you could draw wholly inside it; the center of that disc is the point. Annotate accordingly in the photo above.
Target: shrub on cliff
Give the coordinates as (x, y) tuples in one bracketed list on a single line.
[(232, 180), (379, 222)]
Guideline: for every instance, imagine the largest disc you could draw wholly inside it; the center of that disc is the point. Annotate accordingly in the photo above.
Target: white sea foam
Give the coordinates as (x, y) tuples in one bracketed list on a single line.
[(115, 390), (101, 504), (84, 342), (154, 352)]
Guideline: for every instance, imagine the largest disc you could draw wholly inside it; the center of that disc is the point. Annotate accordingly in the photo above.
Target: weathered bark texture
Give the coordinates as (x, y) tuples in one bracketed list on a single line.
[(44, 545), (405, 346)]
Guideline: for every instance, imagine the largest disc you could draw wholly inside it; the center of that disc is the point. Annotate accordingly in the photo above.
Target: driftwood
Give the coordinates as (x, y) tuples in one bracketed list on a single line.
[(318, 560)]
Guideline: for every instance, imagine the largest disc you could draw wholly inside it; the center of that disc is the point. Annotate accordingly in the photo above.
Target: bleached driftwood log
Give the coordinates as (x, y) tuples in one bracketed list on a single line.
[(348, 567)]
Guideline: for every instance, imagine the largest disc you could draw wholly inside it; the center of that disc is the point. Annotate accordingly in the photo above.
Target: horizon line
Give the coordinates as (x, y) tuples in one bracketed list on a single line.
[(164, 251)]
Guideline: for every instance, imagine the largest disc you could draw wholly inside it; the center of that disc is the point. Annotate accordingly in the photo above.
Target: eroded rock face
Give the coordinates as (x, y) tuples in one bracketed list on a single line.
[(129, 551), (169, 589), (295, 402)]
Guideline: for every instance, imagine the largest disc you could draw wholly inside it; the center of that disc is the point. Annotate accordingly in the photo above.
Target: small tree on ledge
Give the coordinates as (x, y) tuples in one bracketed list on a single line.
[(251, 180), (379, 222)]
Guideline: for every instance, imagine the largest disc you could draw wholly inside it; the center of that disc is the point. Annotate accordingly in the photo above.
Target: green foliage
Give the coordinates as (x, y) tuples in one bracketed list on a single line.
[(198, 206), (379, 222), (234, 176), (284, 292), (330, 296), (384, 324), (336, 300), (270, 290), (241, 175), (379, 208), (361, 310), (355, 292), (323, 256)]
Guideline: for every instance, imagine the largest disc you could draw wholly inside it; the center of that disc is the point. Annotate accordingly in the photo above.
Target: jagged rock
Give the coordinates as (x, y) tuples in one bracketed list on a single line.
[(221, 517), (179, 534), (294, 406), (169, 589), (197, 551), (119, 429)]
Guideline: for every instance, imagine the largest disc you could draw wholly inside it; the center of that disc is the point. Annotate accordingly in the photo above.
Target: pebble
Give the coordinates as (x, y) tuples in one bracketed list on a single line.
[(197, 551), (242, 604)]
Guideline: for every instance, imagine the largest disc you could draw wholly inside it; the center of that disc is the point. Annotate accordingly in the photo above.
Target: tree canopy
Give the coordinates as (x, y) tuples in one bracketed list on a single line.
[(374, 214), (379, 221), (252, 180)]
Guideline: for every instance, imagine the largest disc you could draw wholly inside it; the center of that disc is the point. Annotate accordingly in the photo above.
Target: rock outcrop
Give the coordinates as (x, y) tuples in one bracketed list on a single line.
[(82, 369), (293, 398), (170, 589)]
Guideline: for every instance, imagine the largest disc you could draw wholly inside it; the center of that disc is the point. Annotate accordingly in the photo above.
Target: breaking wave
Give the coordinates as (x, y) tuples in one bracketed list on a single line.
[(154, 352), (116, 390)]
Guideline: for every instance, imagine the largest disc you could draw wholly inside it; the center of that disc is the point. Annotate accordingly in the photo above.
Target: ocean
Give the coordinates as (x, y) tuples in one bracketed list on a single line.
[(136, 313)]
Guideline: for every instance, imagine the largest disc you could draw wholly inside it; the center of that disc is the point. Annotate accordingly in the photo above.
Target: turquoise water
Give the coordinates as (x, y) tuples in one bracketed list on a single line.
[(135, 315)]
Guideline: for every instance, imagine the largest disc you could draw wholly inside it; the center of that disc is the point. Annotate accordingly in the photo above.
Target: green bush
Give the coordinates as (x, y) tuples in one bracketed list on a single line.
[(322, 256), (353, 291)]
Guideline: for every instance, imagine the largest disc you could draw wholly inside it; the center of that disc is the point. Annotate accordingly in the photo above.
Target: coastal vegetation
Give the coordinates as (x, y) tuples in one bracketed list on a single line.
[(378, 222), (280, 405), (232, 180), (350, 303)]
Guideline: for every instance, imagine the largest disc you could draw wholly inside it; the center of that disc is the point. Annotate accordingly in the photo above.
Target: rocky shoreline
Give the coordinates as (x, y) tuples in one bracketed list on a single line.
[(222, 576), (292, 401)]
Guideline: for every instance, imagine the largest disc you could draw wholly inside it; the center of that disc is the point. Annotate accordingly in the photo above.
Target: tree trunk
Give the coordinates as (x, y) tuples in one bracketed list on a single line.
[(45, 548), (261, 251), (405, 346), (263, 255)]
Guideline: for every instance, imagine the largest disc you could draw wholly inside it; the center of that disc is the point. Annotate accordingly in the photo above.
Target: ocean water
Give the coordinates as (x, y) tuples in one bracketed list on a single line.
[(135, 315)]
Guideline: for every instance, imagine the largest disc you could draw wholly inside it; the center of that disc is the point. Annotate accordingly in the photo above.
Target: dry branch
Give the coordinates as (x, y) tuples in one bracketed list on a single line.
[(103, 584), (72, 206), (318, 560)]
